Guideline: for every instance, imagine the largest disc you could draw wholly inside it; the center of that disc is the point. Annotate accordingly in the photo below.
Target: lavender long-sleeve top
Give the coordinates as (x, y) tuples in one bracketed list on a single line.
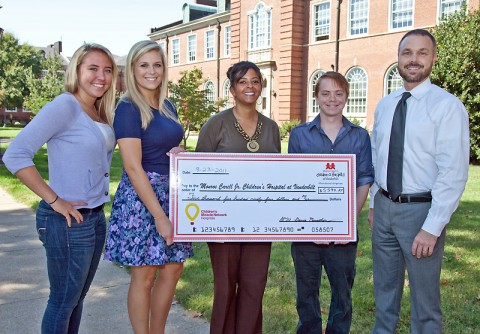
[(78, 154)]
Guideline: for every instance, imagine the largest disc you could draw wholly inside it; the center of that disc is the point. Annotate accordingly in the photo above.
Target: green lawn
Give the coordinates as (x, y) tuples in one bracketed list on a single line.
[(9, 132), (460, 276)]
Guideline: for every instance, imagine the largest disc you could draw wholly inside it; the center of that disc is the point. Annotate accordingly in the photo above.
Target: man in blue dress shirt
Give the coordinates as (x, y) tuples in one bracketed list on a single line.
[(408, 230), (330, 133)]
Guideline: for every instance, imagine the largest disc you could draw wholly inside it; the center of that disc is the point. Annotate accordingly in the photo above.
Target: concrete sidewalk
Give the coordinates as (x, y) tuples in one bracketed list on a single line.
[(24, 284)]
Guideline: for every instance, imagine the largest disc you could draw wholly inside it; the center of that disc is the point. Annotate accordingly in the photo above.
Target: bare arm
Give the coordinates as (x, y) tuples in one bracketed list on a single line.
[(32, 179), (362, 193), (131, 152), (370, 217)]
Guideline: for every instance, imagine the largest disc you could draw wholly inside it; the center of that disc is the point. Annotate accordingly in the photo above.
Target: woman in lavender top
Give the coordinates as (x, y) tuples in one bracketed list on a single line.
[(76, 126), (140, 232)]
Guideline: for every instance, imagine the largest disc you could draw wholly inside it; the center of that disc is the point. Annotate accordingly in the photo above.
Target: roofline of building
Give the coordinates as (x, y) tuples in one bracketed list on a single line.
[(190, 26), (196, 6), (173, 24)]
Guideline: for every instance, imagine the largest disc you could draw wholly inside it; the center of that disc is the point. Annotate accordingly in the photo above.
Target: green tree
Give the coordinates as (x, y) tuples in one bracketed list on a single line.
[(45, 88), (16, 62), (458, 66), (193, 106)]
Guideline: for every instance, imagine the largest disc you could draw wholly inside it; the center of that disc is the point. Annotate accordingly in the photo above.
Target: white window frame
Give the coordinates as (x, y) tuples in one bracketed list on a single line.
[(226, 93), (358, 17), (227, 33), (260, 27), (392, 80), (163, 46), (210, 92), (191, 48), (313, 109), (397, 13), (447, 7), (357, 97), (210, 44), (324, 27), (175, 51)]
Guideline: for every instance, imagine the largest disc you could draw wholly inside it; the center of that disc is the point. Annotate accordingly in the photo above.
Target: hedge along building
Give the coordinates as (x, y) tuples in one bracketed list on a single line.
[(293, 42)]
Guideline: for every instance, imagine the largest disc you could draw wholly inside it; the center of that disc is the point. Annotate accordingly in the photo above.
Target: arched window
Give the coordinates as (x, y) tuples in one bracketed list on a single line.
[(210, 91), (260, 22), (357, 99), (393, 80), (313, 109), (226, 93)]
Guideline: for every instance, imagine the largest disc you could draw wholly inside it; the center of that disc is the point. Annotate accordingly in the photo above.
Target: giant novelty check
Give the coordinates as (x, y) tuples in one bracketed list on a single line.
[(263, 197)]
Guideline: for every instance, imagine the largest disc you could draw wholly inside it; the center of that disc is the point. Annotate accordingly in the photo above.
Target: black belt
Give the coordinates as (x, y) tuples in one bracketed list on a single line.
[(409, 198), (87, 211)]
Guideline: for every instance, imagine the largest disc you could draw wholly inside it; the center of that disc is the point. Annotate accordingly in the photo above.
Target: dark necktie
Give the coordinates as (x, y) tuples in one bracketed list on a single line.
[(395, 151)]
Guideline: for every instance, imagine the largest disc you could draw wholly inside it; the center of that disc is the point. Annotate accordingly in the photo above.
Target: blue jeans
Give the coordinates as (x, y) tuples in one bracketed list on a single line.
[(339, 264), (73, 254)]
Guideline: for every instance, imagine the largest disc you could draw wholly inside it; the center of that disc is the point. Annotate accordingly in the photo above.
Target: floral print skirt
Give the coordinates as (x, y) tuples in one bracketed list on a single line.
[(132, 238)]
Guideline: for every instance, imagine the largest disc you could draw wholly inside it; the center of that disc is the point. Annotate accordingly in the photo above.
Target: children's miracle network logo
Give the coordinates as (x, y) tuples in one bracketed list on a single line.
[(330, 172), (191, 211), (330, 166)]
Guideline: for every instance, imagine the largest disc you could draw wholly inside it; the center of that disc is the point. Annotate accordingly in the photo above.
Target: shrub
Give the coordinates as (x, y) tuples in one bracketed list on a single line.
[(457, 69), (287, 127)]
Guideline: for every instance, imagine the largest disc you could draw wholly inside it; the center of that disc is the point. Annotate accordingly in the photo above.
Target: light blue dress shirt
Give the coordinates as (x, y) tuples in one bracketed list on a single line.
[(436, 153), (351, 139)]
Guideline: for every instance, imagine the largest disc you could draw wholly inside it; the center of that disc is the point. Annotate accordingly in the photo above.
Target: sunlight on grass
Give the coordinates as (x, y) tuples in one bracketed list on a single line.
[(9, 132), (465, 235)]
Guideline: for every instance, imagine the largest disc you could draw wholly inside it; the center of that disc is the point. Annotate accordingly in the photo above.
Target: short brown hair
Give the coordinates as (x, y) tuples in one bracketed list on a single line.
[(337, 78), (419, 32)]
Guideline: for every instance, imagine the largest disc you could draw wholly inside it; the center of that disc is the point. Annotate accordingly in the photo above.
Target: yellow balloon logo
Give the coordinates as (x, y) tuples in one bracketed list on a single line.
[(196, 210)]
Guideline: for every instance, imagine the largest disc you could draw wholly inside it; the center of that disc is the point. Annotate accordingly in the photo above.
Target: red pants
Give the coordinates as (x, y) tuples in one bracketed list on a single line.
[(240, 274)]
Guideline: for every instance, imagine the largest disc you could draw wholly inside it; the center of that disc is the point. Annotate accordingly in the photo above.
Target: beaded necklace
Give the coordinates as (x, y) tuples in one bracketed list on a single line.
[(252, 144)]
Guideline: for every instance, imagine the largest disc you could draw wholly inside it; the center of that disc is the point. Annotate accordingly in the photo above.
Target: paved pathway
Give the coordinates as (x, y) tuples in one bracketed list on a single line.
[(24, 284)]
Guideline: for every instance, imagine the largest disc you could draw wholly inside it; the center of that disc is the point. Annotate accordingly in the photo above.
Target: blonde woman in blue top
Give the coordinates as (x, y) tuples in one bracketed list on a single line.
[(76, 126), (140, 232)]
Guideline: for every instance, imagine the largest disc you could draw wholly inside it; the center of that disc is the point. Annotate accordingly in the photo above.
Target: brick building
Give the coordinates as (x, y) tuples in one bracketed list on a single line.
[(294, 41)]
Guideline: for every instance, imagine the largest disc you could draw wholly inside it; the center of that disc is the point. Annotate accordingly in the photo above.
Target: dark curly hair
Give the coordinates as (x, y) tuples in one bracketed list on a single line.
[(238, 70)]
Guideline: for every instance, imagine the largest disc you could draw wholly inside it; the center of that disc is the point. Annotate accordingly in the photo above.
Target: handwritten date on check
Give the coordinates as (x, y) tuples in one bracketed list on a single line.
[(227, 197)]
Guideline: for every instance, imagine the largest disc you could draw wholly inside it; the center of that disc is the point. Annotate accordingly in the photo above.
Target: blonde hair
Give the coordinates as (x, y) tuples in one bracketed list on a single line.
[(106, 103), (133, 93)]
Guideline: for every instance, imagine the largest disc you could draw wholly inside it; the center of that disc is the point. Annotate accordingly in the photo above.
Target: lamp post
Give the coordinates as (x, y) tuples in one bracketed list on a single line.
[(1, 151), (1, 30), (1, 34), (337, 38)]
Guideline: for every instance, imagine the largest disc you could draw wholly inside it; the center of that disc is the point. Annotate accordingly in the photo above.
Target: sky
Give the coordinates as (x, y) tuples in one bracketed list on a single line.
[(116, 24)]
